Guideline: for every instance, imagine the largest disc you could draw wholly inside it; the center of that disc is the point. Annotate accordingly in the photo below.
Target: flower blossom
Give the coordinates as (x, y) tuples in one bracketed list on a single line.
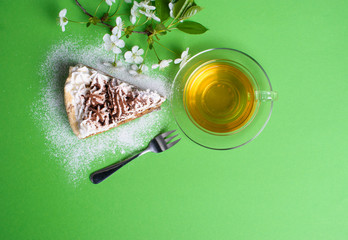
[(134, 12), (113, 43), (162, 64), (150, 15), (135, 69), (146, 5), (109, 2), (134, 56), (144, 8), (62, 19), (171, 7), (117, 30), (148, 10), (184, 57)]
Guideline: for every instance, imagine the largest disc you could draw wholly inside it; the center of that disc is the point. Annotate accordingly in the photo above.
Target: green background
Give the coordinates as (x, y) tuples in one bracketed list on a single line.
[(289, 183)]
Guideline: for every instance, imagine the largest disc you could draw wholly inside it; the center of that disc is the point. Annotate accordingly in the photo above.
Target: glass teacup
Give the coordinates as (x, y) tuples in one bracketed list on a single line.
[(222, 98)]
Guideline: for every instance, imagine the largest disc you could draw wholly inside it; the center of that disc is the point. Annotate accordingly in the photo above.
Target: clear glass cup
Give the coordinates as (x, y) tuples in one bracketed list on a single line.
[(264, 97)]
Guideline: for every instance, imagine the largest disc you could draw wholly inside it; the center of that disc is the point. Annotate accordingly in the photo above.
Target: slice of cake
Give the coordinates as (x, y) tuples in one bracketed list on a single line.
[(96, 102)]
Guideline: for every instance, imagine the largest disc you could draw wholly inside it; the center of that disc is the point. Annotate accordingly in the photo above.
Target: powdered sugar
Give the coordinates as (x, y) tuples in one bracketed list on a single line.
[(79, 157)]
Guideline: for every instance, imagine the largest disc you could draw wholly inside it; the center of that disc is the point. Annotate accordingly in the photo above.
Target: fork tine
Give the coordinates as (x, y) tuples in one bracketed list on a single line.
[(169, 145), (167, 133), (167, 140)]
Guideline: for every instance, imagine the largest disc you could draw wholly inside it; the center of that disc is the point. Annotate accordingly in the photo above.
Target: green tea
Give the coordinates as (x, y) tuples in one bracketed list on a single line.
[(219, 97)]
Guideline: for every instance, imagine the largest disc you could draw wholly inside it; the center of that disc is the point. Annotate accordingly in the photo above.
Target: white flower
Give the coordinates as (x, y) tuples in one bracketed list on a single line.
[(113, 43), (109, 2), (144, 8), (184, 57), (135, 69), (150, 14), (162, 64), (171, 7), (146, 5), (134, 12), (134, 56), (117, 30), (62, 19), (128, 1), (143, 68), (147, 9)]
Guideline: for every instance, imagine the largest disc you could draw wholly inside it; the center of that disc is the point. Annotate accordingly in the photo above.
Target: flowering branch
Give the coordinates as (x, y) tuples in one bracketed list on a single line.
[(153, 27), (82, 8), (90, 15)]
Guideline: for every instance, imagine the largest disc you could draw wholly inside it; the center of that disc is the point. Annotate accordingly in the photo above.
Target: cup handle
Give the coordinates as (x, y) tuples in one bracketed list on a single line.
[(265, 96)]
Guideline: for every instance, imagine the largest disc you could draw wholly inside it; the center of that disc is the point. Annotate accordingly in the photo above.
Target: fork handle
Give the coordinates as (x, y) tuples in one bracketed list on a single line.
[(102, 174)]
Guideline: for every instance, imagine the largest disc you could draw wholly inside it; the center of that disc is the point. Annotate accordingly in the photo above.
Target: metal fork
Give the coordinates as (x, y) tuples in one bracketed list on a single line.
[(158, 144)]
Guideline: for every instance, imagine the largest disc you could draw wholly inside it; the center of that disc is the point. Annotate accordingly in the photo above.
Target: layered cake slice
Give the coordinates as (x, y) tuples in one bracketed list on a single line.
[(96, 102)]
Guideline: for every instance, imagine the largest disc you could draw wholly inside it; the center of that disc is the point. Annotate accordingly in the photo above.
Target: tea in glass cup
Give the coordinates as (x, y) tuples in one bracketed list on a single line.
[(219, 97), (222, 98)]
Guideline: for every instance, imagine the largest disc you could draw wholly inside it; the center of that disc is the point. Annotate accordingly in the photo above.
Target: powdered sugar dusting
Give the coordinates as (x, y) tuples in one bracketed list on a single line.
[(79, 157)]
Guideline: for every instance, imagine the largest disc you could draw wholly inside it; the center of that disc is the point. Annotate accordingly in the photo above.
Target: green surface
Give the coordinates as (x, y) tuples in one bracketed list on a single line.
[(289, 183)]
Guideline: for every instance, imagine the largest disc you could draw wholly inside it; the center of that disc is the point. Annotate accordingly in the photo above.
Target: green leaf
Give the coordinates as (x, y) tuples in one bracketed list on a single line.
[(180, 6), (88, 24), (162, 9), (191, 11), (191, 27)]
